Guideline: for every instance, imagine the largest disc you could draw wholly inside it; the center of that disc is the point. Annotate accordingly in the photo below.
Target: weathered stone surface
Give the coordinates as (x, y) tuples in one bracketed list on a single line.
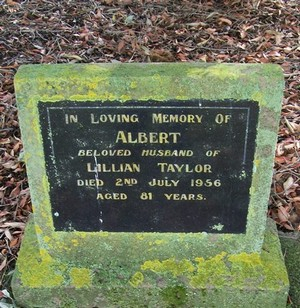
[(123, 82), (144, 269), (290, 244), (224, 280)]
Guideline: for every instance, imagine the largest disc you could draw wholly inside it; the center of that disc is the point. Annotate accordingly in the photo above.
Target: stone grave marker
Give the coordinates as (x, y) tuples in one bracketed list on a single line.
[(149, 185)]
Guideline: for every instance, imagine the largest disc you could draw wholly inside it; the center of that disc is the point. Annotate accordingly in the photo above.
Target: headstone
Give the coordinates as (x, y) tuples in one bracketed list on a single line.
[(149, 184)]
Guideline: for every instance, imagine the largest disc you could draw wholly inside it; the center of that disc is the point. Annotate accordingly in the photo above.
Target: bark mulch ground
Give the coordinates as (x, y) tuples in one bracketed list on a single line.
[(48, 31)]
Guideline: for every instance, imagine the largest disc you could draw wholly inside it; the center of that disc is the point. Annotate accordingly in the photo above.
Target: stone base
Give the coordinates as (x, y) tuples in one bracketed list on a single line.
[(236, 280), (290, 244)]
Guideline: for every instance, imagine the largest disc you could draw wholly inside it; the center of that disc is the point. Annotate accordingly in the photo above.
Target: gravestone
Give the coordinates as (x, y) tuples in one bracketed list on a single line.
[(149, 185)]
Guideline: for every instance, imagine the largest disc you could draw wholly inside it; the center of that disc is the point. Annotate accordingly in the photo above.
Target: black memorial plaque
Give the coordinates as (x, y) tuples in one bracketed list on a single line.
[(175, 166)]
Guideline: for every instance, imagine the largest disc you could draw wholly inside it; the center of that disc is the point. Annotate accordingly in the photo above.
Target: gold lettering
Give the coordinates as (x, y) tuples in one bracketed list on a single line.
[(105, 152), (93, 120), (186, 197), (198, 168), (71, 118), (114, 118), (167, 153), (163, 183), (121, 137), (176, 118), (90, 182), (126, 167), (111, 196), (222, 118), (151, 137)]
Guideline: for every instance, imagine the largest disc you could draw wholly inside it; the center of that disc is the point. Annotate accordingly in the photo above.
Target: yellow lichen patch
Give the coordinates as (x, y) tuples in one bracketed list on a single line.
[(243, 258), (45, 183), (257, 162), (156, 242), (46, 215), (40, 270), (80, 277), (157, 78), (258, 96), (92, 95), (245, 261), (224, 71), (208, 270), (154, 266), (223, 269), (45, 256), (195, 73), (220, 270), (133, 85), (220, 71), (25, 158), (81, 235), (140, 236), (199, 260), (181, 97), (38, 230), (102, 234), (45, 207), (246, 267), (218, 257), (107, 96), (75, 242), (84, 234), (125, 97), (136, 279), (175, 267), (252, 190), (47, 239)]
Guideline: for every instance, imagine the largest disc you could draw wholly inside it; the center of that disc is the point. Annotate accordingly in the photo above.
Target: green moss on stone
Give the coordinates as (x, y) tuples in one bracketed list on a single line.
[(38, 268), (221, 270), (123, 82), (161, 265), (290, 244), (208, 270), (80, 277), (175, 267), (220, 71), (174, 296), (251, 279)]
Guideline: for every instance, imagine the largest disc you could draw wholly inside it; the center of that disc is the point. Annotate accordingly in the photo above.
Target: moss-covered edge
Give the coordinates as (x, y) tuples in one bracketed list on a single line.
[(291, 251), (122, 82), (225, 280)]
